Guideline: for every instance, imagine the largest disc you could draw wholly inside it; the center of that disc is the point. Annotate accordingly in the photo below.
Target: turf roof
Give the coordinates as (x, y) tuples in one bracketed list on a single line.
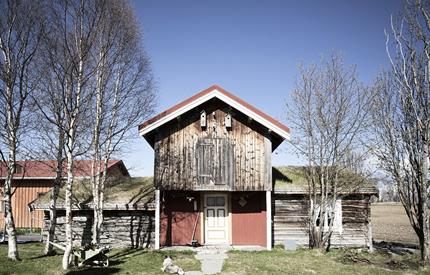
[(126, 193), (292, 179)]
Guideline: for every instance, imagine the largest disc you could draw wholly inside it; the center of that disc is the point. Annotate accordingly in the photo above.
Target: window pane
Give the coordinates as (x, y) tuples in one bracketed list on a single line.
[(220, 201), (210, 201)]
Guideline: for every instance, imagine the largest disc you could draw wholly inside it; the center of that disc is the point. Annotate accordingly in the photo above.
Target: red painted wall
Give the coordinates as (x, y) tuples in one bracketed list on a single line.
[(178, 218), (249, 221)]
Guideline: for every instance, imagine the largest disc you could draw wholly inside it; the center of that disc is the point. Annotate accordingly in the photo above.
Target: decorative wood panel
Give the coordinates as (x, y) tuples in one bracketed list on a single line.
[(215, 157)]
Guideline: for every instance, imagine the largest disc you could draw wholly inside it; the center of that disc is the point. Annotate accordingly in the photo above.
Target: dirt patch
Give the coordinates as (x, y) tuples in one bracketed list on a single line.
[(391, 224), (381, 259)]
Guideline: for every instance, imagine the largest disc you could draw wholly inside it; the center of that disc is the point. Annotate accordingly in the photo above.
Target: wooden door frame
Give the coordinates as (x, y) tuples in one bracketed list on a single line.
[(227, 197)]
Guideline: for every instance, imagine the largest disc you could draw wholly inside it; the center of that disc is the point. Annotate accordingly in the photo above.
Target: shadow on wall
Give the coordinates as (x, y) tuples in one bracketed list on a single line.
[(120, 228), (141, 236), (277, 175)]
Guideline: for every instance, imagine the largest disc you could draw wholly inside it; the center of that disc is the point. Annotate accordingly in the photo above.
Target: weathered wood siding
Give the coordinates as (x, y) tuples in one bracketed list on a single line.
[(120, 228), (290, 220), (25, 191), (237, 158)]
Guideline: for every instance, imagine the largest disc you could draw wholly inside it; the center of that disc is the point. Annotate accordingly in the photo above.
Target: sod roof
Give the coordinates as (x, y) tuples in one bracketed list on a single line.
[(122, 194), (138, 193), (293, 180)]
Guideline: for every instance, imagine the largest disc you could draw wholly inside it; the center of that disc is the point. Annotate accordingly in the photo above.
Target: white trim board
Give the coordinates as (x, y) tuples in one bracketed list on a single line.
[(215, 94)]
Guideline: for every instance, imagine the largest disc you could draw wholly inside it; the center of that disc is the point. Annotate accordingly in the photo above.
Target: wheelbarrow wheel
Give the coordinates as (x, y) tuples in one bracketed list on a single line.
[(105, 260), (73, 260)]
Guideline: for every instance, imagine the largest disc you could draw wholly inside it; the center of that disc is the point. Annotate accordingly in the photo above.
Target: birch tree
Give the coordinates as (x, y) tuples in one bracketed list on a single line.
[(77, 23), (49, 137), (123, 95), (401, 116), (328, 112), (21, 25)]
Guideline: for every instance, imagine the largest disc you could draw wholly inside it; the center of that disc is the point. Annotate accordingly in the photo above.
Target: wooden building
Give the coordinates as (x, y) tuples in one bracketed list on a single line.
[(33, 179), (351, 225), (128, 213), (213, 176), (213, 171)]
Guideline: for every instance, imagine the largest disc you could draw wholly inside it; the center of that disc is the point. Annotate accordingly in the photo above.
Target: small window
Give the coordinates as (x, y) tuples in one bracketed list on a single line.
[(215, 201), (211, 201), (328, 216)]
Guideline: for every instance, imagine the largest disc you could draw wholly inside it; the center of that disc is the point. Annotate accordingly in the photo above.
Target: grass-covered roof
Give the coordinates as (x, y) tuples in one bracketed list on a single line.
[(293, 179), (138, 193), (125, 193)]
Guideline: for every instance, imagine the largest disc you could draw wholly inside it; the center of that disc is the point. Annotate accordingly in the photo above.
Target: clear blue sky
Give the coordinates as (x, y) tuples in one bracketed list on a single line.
[(252, 49)]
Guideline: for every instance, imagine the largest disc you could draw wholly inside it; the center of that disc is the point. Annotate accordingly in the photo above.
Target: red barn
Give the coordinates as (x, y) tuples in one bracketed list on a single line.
[(34, 178)]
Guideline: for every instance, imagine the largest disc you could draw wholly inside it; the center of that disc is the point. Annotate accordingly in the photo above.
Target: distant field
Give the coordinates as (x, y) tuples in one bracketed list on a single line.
[(390, 223)]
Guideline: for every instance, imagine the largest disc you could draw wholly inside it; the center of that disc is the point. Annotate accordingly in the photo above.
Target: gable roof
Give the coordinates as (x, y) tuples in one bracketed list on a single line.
[(45, 169), (215, 92)]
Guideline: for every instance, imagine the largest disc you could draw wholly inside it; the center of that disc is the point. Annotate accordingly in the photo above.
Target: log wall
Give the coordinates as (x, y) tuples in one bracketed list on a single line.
[(120, 228), (290, 216), (241, 154)]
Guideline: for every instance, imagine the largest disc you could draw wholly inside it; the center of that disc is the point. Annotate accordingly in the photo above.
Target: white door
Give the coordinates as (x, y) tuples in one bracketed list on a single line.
[(216, 219)]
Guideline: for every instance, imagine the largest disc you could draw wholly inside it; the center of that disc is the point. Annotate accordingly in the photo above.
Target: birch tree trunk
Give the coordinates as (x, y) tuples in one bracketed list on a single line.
[(124, 95), (70, 145), (68, 205), (9, 221), (21, 25), (54, 194)]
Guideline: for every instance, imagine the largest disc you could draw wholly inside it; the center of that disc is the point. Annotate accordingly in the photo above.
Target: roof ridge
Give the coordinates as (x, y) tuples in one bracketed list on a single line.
[(279, 127)]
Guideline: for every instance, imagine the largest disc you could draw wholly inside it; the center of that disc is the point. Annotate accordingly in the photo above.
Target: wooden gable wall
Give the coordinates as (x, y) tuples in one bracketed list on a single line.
[(242, 158)]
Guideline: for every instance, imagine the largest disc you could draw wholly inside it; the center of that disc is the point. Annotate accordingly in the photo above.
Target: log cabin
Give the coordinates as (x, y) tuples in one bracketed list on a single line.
[(33, 178)]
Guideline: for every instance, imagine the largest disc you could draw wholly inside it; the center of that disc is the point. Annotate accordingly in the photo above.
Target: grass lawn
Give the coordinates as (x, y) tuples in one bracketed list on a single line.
[(122, 261), (278, 261), (303, 261)]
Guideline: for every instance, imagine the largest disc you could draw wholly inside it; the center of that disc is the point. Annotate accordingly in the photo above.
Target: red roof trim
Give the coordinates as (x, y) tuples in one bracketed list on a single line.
[(207, 91)]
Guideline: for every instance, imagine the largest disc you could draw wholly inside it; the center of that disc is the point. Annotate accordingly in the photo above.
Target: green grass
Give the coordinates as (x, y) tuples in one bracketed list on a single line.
[(278, 261), (122, 261), (26, 230), (303, 261)]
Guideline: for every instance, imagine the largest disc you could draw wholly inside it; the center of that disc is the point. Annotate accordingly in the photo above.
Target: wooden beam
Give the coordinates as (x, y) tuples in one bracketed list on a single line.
[(369, 226), (269, 220), (157, 219)]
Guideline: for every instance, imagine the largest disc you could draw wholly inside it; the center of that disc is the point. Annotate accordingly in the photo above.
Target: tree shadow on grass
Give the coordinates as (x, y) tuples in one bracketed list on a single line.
[(116, 259), (94, 270)]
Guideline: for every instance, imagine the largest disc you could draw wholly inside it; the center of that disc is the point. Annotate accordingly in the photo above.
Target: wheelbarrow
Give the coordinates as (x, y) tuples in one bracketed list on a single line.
[(83, 256)]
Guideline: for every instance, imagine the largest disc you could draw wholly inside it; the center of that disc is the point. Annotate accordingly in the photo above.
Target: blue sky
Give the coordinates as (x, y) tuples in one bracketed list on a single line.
[(252, 49)]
